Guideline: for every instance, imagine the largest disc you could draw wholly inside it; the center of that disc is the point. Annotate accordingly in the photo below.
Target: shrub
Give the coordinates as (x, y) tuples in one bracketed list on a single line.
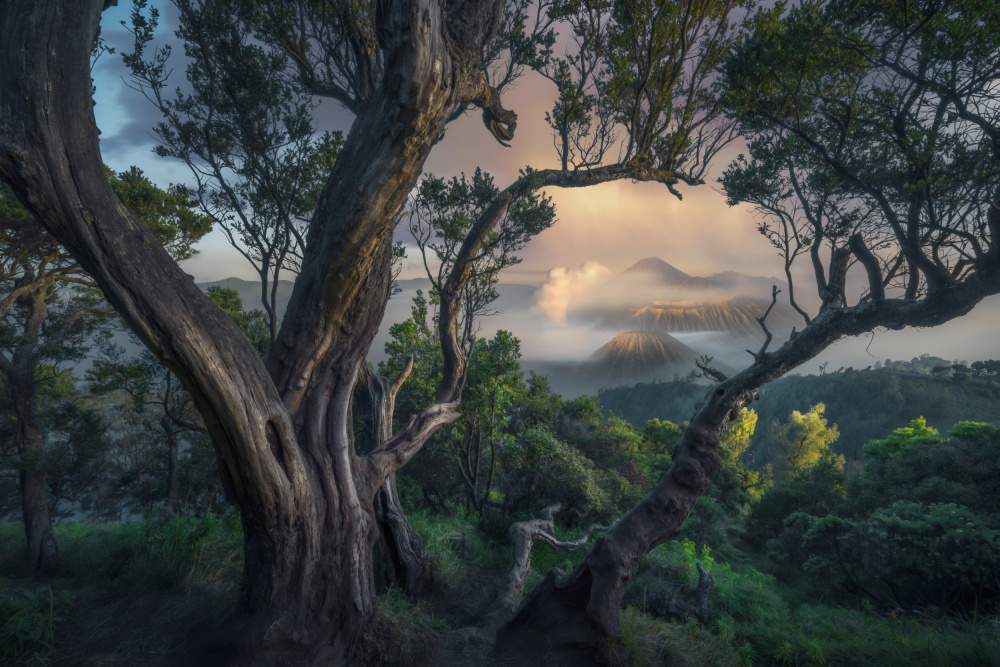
[(906, 556), (29, 619), (400, 632)]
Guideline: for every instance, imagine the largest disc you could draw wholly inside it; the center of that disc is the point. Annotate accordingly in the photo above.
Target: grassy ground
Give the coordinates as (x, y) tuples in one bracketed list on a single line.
[(135, 594)]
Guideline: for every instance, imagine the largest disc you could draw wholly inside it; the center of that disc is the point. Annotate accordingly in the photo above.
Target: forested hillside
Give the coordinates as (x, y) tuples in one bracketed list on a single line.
[(864, 404)]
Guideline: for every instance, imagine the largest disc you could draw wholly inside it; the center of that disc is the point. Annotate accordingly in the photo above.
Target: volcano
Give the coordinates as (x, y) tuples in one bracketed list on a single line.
[(638, 356)]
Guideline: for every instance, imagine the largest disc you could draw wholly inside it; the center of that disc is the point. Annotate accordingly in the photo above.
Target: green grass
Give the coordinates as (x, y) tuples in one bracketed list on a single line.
[(161, 552), (165, 551), (465, 563)]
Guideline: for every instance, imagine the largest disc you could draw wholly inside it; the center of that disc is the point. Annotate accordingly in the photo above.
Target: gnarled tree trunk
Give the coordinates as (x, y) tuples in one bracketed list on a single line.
[(283, 433), (398, 551)]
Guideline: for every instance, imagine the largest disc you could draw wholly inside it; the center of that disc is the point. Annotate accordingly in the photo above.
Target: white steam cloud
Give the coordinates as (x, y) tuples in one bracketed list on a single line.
[(564, 283)]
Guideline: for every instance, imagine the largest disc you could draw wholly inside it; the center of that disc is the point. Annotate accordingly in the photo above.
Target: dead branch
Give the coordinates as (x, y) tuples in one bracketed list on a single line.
[(714, 373), (523, 534), (757, 356)]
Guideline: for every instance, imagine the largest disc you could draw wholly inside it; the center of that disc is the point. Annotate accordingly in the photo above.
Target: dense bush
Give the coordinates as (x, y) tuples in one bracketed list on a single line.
[(916, 463), (819, 491), (917, 529), (905, 556)]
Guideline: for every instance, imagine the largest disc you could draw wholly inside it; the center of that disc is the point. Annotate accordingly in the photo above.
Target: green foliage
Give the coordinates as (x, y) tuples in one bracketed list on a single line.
[(400, 633), (170, 214), (754, 621), (819, 490), (916, 464), (163, 549), (76, 447), (28, 620), (800, 442), (736, 438), (413, 337), (865, 404), (898, 444), (444, 212), (907, 555), (922, 527), (459, 551), (536, 469)]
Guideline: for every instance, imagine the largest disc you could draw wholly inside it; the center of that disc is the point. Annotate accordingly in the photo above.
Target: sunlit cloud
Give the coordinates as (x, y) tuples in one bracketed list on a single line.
[(563, 283)]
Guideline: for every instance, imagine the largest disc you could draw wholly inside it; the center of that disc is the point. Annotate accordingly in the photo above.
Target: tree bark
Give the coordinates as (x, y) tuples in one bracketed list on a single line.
[(398, 551), (43, 552)]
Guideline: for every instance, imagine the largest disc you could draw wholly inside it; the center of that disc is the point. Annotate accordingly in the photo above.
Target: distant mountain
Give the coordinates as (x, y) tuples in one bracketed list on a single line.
[(249, 291), (658, 270), (734, 315), (741, 283), (636, 356), (653, 295)]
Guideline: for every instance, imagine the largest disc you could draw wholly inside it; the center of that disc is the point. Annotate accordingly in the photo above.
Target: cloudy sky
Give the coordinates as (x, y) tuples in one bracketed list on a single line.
[(600, 230)]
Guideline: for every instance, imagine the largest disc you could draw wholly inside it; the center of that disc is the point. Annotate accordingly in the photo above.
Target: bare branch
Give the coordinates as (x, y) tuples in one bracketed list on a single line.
[(393, 454), (523, 535), (714, 373), (759, 355), (403, 374)]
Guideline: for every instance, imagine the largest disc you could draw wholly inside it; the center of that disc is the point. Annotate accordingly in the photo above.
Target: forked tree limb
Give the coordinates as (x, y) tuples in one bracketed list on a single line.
[(768, 336), (393, 454), (523, 535)]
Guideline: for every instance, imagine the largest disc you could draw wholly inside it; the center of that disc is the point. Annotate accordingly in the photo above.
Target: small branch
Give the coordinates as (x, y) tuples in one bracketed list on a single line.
[(759, 355), (403, 374), (189, 425), (714, 373)]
